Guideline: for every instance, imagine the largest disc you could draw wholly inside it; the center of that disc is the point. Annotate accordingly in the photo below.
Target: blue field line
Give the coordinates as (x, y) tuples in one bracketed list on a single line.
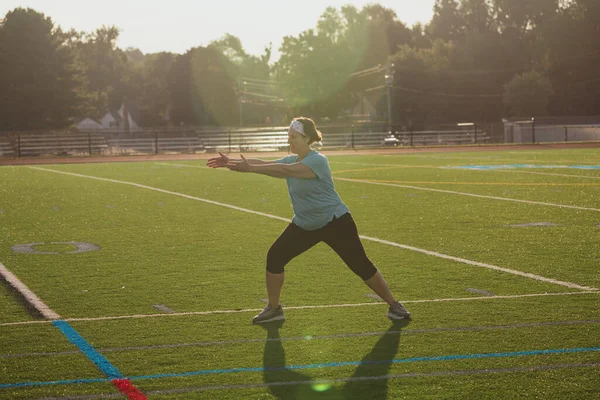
[(355, 363), (50, 383), (101, 362), (313, 366), (529, 166)]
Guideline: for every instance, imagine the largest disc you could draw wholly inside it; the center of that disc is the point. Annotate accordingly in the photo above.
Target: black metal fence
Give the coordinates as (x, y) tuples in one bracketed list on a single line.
[(530, 132), (201, 140)]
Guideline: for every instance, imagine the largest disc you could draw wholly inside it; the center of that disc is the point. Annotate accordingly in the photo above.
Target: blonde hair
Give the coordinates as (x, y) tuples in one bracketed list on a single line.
[(310, 129)]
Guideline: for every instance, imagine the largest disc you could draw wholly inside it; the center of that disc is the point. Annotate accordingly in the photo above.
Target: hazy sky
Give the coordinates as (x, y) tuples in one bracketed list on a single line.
[(178, 25)]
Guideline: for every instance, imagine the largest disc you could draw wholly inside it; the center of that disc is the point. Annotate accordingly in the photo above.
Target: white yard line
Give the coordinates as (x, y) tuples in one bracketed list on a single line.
[(183, 165), (403, 331), (520, 171), (216, 203), (483, 265), (348, 305), (333, 162), (27, 294), (467, 194), (544, 173), (495, 159), (386, 165), (392, 166), (428, 252), (175, 165)]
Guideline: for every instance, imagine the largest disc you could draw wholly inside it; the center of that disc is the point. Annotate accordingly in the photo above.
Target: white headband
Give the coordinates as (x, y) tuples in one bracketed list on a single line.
[(298, 127)]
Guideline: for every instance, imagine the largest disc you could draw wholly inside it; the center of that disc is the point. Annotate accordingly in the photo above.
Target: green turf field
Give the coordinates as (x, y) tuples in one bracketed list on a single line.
[(496, 254)]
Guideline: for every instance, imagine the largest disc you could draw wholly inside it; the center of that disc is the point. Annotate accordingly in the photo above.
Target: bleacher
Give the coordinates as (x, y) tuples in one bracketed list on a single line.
[(71, 144), (154, 144), (360, 138), (192, 141), (6, 148), (244, 141), (435, 138)]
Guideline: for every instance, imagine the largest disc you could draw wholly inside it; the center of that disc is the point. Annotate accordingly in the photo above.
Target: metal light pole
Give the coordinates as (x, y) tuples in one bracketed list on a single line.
[(389, 81), (240, 101)]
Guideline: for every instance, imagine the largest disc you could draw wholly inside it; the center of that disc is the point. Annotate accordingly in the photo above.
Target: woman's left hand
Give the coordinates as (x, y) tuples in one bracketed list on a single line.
[(218, 162), (240, 166)]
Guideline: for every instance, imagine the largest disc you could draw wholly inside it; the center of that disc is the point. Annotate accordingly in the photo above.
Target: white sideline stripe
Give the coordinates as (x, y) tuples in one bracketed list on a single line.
[(446, 167), (431, 253), (183, 165), (467, 194), (216, 203), (442, 330), (386, 165), (544, 173), (483, 265), (495, 159), (31, 297), (252, 310)]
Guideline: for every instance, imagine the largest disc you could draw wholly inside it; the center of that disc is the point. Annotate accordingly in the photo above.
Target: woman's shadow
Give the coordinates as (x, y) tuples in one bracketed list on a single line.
[(369, 380)]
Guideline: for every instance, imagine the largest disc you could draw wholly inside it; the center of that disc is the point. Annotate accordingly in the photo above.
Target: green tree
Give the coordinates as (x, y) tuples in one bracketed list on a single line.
[(258, 94), (150, 86), (201, 88), (523, 16), (446, 22), (134, 55), (528, 94), (42, 82), (572, 45), (317, 68), (108, 69)]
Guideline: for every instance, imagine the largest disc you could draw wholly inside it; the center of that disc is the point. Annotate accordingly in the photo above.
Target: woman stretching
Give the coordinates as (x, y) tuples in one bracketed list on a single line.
[(319, 216)]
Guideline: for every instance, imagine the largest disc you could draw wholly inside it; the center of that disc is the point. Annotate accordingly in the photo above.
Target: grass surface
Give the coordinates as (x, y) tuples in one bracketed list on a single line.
[(476, 331)]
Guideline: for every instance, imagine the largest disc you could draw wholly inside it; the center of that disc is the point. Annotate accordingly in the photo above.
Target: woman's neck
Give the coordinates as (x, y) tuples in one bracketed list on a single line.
[(303, 153)]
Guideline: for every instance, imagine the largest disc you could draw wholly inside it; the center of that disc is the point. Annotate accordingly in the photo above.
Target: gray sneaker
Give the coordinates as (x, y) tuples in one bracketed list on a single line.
[(269, 314), (397, 312)]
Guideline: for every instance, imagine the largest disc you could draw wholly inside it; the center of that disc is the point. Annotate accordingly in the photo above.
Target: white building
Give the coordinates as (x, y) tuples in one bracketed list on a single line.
[(115, 120), (88, 124)]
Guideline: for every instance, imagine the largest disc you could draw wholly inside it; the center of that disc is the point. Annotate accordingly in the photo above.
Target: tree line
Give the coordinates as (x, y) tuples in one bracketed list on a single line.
[(475, 60)]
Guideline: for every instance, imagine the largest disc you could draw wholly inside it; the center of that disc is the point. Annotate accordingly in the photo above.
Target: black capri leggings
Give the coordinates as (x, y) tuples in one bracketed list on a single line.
[(340, 234)]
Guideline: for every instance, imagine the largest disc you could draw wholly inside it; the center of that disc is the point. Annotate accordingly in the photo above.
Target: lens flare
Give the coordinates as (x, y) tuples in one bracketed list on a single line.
[(321, 387)]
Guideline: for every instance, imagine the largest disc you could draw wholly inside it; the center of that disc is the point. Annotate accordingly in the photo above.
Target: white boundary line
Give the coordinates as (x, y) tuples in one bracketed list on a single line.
[(216, 203), (381, 241), (483, 265), (386, 165), (392, 166), (401, 331), (466, 194), (182, 165), (349, 305), (31, 297), (445, 167), (502, 160), (542, 173)]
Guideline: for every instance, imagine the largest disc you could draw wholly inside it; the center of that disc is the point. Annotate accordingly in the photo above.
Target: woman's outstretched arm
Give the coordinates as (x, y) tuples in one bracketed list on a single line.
[(295, 170), (222, 160)]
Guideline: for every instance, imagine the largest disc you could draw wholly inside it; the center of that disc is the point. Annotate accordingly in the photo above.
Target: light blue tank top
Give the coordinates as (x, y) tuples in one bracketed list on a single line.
[(315, 200)]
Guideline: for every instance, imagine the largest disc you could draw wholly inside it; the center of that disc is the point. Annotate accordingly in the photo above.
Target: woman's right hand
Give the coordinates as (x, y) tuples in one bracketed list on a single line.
[(218, 162)]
